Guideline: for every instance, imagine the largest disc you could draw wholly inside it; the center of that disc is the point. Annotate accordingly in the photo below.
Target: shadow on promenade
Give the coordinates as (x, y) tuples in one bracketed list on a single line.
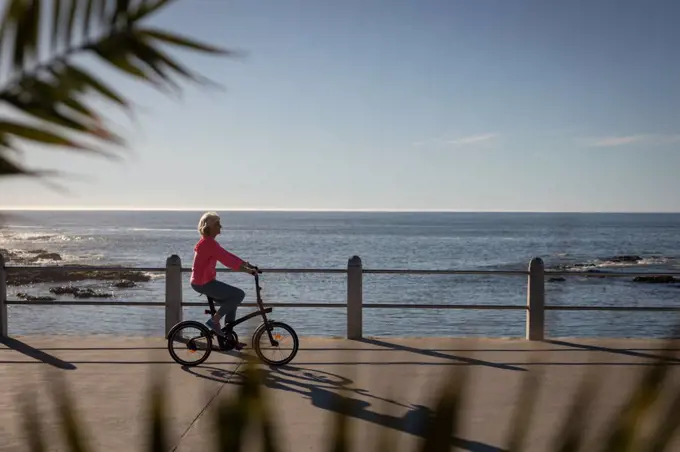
[(318, 387), (36, 354)]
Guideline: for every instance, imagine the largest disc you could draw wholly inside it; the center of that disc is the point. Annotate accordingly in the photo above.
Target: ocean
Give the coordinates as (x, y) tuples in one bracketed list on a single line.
[(579, 243)]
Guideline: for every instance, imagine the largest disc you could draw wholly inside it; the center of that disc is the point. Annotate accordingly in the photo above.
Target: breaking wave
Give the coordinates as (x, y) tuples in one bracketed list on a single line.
[(624, 261), (571, 263), (161, 230), (43, 257), (41, 237)]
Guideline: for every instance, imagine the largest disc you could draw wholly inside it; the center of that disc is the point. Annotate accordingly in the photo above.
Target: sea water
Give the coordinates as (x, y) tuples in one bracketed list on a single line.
[(578, 243)]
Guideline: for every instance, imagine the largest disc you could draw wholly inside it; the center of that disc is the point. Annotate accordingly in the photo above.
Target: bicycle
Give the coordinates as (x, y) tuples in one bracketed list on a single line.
[(230, 339)]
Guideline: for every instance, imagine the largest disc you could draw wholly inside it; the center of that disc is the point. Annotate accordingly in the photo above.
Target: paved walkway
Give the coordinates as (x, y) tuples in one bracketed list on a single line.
[(390, 380)]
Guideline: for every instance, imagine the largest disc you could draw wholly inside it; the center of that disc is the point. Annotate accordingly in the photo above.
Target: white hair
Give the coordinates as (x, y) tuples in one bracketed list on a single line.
[(207, 221)]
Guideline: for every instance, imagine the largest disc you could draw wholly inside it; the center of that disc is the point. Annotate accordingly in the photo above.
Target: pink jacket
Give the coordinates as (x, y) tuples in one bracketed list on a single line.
[(206, 254)]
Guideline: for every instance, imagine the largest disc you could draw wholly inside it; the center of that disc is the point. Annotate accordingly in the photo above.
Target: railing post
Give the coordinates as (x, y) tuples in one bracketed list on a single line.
[(354, 298), (535, 329), (3, 298), (173, 292)]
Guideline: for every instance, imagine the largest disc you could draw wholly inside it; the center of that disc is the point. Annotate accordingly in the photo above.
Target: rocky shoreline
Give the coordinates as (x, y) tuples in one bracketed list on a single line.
[(40, 275), (61, 275), (130, 278)]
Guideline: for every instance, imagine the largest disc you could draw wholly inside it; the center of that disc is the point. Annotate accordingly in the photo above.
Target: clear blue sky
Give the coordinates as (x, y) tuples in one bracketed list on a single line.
[(394, 104)]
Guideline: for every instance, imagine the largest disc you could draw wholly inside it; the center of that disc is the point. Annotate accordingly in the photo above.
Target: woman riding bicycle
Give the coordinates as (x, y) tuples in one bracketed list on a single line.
[(203, 274)]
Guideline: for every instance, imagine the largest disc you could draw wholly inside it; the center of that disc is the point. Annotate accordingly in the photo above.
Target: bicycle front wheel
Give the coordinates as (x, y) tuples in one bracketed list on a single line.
[(285, 345), (189, 343)]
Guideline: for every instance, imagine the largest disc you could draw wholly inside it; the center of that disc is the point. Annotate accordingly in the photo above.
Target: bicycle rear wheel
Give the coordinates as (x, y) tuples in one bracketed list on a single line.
[(189, 343), (283, 350)]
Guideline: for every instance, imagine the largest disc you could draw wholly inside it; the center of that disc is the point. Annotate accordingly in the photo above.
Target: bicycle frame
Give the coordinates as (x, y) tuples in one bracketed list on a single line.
[(260, 311)]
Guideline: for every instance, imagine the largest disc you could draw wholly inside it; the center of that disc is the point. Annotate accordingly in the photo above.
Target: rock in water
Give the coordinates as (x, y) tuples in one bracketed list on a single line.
[(89, 293), (124, 284), (28, 297), (664, 279), (25, 257), (79, 292), (557, 279), (593, 274), (48, 256), (63, 290), (61, 274), (625, 258)]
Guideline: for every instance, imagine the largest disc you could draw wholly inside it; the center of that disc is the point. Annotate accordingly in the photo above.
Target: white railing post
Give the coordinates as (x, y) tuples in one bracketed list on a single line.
[(3, 298), (354, 298), (535, 329), (173, 292)]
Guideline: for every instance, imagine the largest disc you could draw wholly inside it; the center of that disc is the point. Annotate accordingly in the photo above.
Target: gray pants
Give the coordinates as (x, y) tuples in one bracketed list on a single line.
[(228, 297)]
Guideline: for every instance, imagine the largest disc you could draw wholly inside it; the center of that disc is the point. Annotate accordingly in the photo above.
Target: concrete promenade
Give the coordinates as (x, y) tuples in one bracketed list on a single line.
[(389, 379)]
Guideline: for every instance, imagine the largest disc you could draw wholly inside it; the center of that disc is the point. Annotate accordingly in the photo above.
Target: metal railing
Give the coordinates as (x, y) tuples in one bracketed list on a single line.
[(535, 305)]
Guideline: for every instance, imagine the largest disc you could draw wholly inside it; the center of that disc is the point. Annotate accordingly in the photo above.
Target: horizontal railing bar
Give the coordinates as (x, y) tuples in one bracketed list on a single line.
[(162, 269), (614, 308), (285, 270), (365, 305), (444, 306), (281, 305), (376, 305), (272, 270), (609, 274), (446, 272), (80, 268), (158, 303), (14, 268), (85, 303)]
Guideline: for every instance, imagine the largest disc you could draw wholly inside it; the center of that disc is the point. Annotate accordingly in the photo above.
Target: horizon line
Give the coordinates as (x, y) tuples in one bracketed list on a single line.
[(310, 210)]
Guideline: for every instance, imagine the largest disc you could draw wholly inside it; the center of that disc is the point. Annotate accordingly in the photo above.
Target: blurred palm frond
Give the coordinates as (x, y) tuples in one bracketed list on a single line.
[(40, 81), (235, 417)]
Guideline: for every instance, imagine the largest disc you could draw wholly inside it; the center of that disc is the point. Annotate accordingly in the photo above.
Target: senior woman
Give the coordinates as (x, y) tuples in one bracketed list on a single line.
[(203, 274)]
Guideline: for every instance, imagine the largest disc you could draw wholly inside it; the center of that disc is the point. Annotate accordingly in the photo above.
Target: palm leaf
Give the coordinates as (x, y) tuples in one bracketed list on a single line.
[(183, 42), (159, 63), (71, 426), (76, 74), (148, 7), (101, 10), (523, 412), (22, 14), (87, 17), (624, 428), (70, 20), (10, 168), (44, 136), (56, 93), (31, 423), (268, 430), (339, 438), (158, 426), (232, 418), (32, 17), (47, 113), (442, 427), (56, 21), (570, 436), (110, 53), (121, 13), (668, 426)]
